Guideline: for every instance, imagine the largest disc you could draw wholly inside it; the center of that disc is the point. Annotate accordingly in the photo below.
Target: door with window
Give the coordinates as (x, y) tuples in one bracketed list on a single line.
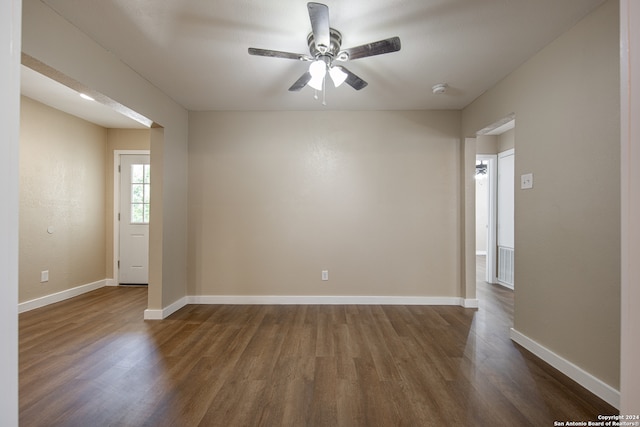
[(135, 191)]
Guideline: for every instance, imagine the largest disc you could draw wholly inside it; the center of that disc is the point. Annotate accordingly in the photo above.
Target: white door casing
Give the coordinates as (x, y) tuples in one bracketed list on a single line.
[(133, 250)]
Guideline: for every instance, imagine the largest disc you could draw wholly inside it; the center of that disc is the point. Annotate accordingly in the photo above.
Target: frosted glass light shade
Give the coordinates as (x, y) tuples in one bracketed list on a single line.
[(316, 82), (337, 75), (318, 69)]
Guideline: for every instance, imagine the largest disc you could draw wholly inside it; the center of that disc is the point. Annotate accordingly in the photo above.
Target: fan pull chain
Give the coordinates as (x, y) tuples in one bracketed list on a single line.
[(315, 94), (324, 91)]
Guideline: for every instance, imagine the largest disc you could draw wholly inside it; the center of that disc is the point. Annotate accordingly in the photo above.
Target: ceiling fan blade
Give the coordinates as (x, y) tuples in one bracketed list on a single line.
[(352, 80), (319, 16), (279, 54), (301, 82), (371, 49)]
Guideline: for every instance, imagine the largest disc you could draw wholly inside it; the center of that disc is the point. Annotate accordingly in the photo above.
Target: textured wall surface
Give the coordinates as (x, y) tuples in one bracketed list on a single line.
[(62, 184), (275, 198)]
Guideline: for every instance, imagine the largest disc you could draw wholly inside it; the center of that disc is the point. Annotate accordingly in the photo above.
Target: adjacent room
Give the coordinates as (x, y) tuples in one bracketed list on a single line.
[(295, 213)]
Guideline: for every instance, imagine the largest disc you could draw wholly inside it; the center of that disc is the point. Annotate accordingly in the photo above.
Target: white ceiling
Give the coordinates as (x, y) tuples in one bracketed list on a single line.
[(196, 50)]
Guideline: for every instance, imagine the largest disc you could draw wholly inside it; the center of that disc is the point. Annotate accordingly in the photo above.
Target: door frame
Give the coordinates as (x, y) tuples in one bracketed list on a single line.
[(492, 217), (116, 207)]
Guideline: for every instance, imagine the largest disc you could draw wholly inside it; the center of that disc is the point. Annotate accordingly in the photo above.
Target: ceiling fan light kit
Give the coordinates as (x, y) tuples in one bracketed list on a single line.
[(325, 47)]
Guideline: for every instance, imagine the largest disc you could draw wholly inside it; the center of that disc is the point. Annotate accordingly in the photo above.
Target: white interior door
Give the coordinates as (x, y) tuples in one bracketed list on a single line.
[(135, 191), (506, 217), (506, 188)]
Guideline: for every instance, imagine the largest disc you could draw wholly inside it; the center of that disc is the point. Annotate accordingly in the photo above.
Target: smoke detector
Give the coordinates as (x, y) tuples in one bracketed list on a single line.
[(440, 88)]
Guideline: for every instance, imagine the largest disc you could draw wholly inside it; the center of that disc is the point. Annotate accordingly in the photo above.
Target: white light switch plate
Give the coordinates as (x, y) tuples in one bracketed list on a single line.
[(325, 274), (526, 181)]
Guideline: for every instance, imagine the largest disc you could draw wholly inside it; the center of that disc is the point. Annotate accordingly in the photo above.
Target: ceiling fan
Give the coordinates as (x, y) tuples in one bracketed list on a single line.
[(325, 48)]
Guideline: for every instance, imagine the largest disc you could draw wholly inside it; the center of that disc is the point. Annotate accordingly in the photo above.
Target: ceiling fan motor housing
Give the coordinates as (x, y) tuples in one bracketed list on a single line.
[(334, 46)]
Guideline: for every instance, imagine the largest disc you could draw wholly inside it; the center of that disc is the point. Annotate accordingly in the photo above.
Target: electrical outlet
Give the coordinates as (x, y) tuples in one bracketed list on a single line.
[(325, 275), (44, 276)]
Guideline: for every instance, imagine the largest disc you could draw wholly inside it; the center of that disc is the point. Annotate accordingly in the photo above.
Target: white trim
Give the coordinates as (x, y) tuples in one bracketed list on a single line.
[(470, 303), (159, 314), (579, 375), (323, 300), (481, 253), (507, 153), (60, 296), (154, 314), (111, 282), (150, 314), (116, 206), (492, 129), (504, 285)]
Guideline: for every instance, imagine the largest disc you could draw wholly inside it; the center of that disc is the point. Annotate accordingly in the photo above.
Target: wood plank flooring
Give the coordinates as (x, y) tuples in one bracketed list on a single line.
[(93, 361)]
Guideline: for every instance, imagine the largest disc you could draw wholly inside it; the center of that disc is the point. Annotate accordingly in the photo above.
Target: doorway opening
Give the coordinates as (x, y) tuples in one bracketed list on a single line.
[(494, 210), (51, 87)]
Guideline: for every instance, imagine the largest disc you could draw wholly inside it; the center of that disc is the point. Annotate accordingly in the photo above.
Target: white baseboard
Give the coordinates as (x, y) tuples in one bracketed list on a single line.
[(60, 296), (324, 300), (150, 314), (112, 282), (159, 314), (470, 303), (579, 375), (504, 285)]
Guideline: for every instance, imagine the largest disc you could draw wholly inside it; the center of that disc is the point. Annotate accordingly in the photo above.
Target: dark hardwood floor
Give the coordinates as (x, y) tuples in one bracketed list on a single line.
[(93, 361)]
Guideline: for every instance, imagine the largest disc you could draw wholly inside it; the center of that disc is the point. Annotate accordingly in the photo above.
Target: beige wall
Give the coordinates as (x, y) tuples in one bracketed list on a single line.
[(567, 228), (47, 134), (62, 182), (507, 140), (487, 144), (118, 139), (494, 144), (276, 197)]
